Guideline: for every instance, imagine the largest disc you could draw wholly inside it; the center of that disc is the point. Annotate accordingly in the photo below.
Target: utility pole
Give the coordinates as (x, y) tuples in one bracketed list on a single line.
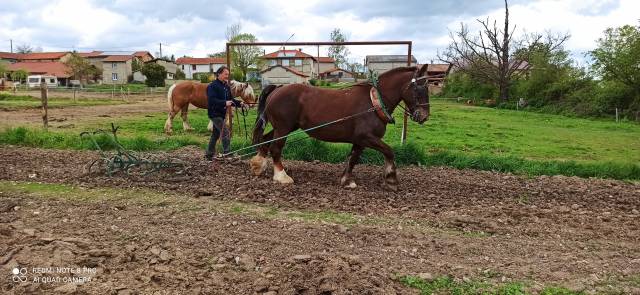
[(160, 50), (11, 41)]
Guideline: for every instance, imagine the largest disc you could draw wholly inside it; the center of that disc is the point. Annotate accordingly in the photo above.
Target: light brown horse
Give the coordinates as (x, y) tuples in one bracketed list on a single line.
[(182, 94), (298, 106)]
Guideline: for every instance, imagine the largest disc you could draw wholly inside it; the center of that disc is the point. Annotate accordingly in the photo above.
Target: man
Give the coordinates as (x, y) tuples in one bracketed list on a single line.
[(219, 98)]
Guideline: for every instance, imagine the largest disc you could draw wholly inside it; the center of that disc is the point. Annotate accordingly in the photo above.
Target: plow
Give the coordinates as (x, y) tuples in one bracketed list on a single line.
[(125, 161)]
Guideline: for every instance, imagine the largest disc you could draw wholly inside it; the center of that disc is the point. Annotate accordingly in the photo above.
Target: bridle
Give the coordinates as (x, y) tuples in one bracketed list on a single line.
[(416, 89)]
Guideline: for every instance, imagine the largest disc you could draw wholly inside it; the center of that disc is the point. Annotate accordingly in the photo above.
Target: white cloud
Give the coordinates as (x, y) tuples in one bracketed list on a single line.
[(197, 27)]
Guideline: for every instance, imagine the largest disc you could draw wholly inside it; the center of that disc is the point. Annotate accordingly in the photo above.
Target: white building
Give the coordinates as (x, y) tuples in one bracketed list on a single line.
[(191, 66)]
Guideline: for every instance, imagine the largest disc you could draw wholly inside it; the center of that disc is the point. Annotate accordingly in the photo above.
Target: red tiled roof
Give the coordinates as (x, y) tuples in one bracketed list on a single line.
[(42, 55), (326, 59), (90, 54), (142, 54), (9, 55), (117, 58), (200, 60), (55, 68), (296, 72), (296, 53)]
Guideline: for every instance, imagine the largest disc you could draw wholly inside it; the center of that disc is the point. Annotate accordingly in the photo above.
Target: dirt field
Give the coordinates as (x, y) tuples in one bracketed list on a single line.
[(226, 232)]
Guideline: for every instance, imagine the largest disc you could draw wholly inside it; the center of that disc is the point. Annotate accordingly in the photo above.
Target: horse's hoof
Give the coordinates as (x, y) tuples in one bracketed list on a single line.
[(282, 177), (258, 165), (351, 185)]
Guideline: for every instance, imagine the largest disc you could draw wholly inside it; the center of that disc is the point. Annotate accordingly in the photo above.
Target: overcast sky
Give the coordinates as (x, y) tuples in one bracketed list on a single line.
[(197, 27)]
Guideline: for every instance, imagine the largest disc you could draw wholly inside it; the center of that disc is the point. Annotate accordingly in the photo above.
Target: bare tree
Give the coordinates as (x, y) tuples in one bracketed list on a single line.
[(492, 56), (232, 31), (24, 48)]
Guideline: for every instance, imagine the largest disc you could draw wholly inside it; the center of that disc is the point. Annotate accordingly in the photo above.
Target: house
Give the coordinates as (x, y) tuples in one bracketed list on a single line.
[(326, 63), (440, 71), (338, 75), (144, 56), (44, 57), (8, 57), (383, 63), (48, 68), (279, 74), (168, 65), (117, 69), (192, 66), (293, 66)]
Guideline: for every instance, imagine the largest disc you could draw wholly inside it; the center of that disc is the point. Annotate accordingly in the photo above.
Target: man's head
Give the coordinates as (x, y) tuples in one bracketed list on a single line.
[(222, 74)]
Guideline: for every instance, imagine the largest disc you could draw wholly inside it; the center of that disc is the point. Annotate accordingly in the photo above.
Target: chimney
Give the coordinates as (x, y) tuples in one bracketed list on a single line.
[(300, 49)]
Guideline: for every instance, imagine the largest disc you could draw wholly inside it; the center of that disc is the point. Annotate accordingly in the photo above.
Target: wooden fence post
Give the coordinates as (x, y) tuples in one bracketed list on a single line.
[(45, 103)]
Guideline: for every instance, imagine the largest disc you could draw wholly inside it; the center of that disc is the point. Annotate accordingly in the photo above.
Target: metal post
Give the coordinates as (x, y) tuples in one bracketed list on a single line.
[(617, 116), (403, 137), (45, 104)]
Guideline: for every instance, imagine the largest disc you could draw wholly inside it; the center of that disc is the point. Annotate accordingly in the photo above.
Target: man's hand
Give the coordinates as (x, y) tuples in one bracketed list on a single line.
[(229, 103)]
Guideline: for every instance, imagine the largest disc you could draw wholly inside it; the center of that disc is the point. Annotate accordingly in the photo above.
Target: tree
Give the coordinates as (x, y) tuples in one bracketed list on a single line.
[(24, 48), (136, 65), (243, 57), (232, 31), (220, 54), (3, 69), (492, 56), (79, 67), (338, 52), (180, 75), (20, 75), (155, 74), (617, 57)]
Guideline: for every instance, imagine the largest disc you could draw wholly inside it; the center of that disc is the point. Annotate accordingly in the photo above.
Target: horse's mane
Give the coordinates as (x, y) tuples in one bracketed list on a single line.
[(396, 70)]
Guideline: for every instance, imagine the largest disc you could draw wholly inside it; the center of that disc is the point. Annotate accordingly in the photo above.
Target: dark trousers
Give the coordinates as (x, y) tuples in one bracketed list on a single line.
[(219, 128)]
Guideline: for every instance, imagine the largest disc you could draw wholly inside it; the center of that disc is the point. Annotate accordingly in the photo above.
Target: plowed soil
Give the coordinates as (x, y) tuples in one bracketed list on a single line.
[(583, 234)]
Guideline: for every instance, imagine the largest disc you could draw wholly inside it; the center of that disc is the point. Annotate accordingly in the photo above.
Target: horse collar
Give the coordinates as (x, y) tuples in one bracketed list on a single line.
[(378, 105)]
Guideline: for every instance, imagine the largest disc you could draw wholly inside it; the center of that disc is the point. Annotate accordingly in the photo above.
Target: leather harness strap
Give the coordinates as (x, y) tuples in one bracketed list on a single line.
[(377, 103)]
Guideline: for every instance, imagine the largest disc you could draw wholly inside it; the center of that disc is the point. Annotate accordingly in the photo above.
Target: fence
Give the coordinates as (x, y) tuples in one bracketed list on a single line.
[(115, 93)]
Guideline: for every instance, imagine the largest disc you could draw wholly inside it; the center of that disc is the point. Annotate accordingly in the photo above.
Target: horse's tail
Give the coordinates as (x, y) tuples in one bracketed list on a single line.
[(261, 120), (170, 97)]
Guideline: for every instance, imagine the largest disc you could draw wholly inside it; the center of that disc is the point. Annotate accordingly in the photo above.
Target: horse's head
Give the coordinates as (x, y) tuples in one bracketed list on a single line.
[(416, 96), (243, 90)]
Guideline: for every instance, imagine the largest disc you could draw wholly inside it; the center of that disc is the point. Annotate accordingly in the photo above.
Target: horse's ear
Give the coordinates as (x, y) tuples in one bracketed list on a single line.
[(423, 70)]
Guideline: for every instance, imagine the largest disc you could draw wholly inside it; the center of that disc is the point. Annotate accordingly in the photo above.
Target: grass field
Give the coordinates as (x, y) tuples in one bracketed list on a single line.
[(456, 135)]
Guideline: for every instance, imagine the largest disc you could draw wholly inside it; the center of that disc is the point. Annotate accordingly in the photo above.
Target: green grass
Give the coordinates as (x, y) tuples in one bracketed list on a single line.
[(447, 285), (13, 102), (457, 135)]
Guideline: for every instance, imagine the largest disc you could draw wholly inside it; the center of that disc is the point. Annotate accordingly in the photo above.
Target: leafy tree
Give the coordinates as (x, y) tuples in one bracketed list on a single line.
[(338, 52), (155, 74), (180, 75), (617, 58), (217, 54), (136, 65), (3, 69), (243, 57), (79, 67), (20, 75)]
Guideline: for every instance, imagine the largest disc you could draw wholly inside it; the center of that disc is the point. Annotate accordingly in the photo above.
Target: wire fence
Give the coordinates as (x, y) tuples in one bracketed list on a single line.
[(117, 92)]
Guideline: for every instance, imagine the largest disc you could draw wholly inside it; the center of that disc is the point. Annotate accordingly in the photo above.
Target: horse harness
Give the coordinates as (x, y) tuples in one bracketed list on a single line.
[(378, 104)]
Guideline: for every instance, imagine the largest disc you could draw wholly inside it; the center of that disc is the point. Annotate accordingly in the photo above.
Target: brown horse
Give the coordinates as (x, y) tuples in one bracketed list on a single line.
[(296, 106), (182, 94)]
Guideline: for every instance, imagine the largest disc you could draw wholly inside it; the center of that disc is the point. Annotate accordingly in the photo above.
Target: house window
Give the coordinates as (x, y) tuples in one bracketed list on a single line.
[(273, 62), (298, 62), (193, 67), (285, 62), (114, 65), (114, 76), (183, 67)]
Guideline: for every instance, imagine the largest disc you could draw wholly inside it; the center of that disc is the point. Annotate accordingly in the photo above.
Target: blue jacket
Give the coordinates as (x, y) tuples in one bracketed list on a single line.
[(217, 95)]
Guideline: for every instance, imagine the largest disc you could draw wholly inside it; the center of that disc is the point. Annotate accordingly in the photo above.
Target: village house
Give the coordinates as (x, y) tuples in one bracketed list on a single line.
[(292, 66), (192, 67)]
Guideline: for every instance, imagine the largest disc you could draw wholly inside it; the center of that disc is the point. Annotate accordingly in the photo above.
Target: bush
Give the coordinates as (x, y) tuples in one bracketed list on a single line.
[(155, 74)]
